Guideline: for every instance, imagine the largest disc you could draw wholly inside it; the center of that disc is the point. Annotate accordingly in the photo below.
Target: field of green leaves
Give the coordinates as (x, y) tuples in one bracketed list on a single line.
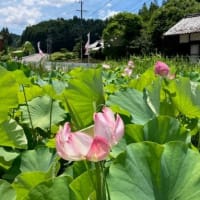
[(157, 158)]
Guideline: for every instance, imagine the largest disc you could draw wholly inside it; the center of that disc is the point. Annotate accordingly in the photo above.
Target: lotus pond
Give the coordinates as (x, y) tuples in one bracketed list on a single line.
[(117, 131)]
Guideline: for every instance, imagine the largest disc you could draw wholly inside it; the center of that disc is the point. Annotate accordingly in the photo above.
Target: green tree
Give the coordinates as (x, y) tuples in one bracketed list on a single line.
[(6, 37), (119, 33), (144, 42), (28, 48)]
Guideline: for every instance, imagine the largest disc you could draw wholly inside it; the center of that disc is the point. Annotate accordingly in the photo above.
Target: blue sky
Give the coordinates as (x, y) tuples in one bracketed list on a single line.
[(17, 14)]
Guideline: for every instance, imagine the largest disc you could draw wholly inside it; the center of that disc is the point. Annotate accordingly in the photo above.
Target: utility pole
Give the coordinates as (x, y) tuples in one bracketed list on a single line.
[(81, 27)]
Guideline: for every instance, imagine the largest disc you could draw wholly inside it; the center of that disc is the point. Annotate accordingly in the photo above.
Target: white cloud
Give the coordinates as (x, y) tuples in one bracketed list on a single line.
[(55, 3), (109, 5), (103, 14), (20, 15)]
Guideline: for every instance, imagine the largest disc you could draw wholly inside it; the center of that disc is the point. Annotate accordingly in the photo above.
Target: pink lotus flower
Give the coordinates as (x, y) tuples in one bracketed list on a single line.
[(131, 64), (127, 72), (80, 145), (108, 127), (161, 68)]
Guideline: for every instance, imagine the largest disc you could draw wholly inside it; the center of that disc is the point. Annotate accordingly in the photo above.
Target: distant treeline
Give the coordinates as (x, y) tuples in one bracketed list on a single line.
[(63, 33), (124, 34)]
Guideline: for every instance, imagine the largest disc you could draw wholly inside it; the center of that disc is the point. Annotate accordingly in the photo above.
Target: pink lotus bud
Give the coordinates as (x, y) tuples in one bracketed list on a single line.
[(108, 127), (161, 68)]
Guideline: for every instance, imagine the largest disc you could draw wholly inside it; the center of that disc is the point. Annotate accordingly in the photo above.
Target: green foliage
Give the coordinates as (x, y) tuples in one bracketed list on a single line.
[(41, 159), (28, 48), (44, 112), (157, 158), (161, 130), (57, 188), (8, 95), (6, 191), (132, 101), (62, 56), (12, 135), (84, 96), (152, 171), (26, 181), (83, 186), (7, 158), (62, 33), (120, 31)]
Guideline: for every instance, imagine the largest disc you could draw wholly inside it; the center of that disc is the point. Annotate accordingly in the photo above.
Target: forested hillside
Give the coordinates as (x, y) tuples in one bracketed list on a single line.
[(62, 33)]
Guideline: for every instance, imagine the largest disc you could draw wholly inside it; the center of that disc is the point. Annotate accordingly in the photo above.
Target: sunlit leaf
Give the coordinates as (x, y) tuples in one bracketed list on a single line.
[(185, 96), (7, 158), (144, 80), (24, 182), (8, 94), (84, 95), (12, 135), (29, 92)]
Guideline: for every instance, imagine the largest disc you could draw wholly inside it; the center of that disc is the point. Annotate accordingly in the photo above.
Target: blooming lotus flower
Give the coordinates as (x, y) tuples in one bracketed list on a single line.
[(108, 127), (72, 146), (127, 72), (80, 145), (161, 68)]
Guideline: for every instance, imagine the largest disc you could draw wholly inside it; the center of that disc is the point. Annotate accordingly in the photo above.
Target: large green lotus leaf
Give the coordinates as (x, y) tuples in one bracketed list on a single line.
[(8, 94), (6, 191), (40, 159), (150, 171), (185, 96), (144, 80), (132, 101), (83, 185), (44, 112), (57, 188), (24, 182), (161, 129), (30, 92), (84, 95), (21, 77), (153, 96), (12, 135), (7, 158)]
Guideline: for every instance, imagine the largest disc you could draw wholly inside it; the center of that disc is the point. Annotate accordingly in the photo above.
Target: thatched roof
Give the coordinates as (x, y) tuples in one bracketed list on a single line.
[(190, 24)]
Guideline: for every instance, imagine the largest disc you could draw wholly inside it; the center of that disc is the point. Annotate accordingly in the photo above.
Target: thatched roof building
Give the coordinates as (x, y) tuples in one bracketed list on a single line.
[(190, 24), (184, 37)]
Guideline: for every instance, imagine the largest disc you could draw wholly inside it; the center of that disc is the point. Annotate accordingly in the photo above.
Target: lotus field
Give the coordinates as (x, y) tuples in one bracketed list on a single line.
[(117, 131)]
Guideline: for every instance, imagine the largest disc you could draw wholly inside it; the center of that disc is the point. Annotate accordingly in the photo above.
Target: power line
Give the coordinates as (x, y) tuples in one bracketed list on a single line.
[(146, 2), (104, 5)]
